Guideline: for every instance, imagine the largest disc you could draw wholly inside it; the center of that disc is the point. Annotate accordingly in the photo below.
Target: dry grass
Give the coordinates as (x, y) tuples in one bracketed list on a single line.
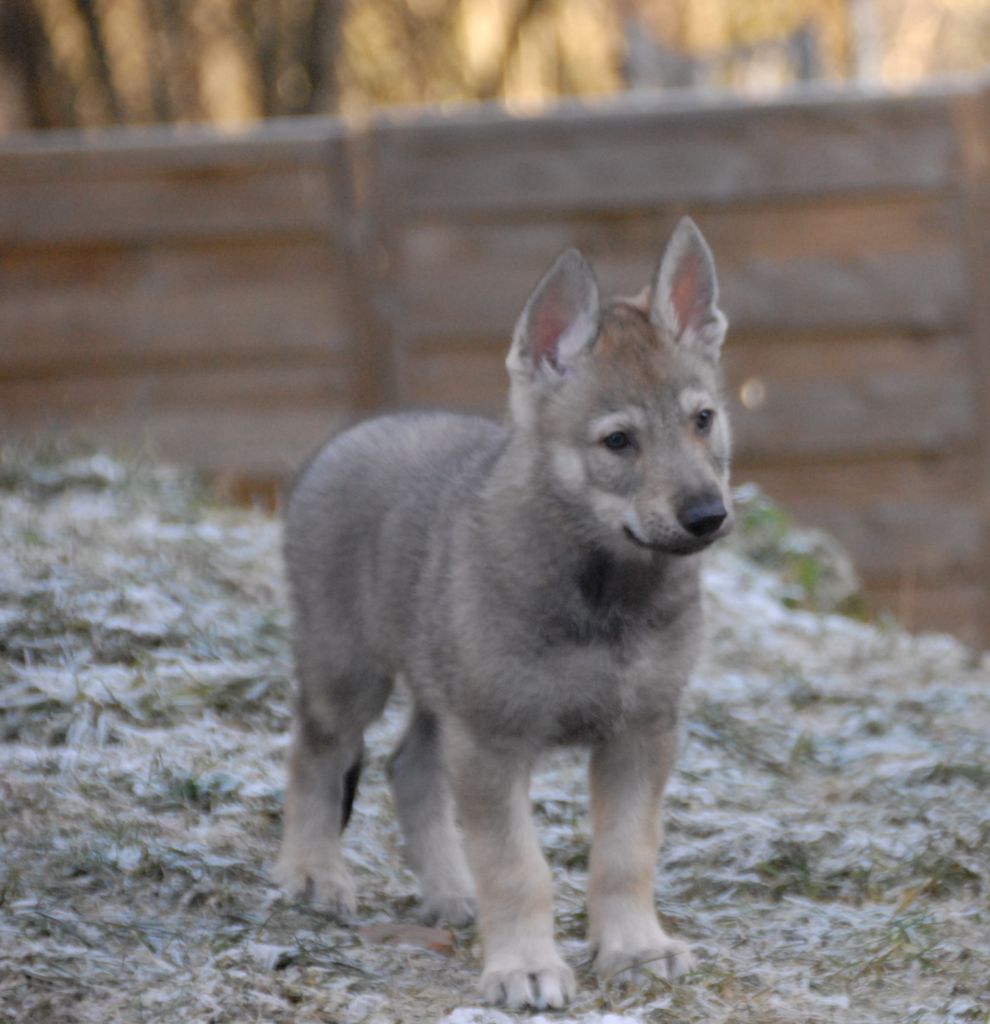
[(828, 826)]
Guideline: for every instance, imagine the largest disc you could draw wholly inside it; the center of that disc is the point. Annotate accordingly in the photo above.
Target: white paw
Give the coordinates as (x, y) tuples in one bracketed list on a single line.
[(542, 987), (667, 959), (453, 909), (325, 883)]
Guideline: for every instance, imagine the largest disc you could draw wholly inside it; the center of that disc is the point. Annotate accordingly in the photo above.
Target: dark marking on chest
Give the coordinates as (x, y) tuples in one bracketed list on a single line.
[(607, 584), (614, 597)]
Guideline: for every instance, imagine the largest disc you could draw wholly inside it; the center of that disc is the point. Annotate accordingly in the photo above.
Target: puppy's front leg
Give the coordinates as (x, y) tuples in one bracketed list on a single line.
[(515, 901), (628, 776)]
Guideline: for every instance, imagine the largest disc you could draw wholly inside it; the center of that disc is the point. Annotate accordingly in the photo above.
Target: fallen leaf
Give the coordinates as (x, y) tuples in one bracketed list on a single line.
[(397, 933)]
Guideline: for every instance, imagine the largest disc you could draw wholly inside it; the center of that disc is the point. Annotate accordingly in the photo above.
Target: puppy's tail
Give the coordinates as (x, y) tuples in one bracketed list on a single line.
[(351, 777)]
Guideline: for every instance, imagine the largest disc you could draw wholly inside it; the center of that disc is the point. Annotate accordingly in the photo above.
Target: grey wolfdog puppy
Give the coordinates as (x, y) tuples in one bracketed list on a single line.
[(536, 584)]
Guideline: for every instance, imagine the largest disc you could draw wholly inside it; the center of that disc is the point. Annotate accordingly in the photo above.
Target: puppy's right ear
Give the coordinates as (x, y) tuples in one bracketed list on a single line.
[(558, 323)]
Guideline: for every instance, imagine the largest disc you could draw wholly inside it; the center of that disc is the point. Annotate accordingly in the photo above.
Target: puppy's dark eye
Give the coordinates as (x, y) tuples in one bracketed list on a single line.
[(703, 420), (617, 441)]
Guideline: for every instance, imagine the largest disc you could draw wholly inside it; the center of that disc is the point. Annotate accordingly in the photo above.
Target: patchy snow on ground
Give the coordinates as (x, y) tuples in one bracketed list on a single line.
[(828, 825)]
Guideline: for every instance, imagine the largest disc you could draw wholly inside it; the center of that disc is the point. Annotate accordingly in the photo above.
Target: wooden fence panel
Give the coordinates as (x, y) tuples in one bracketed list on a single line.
[(234, 299), (193, 294)]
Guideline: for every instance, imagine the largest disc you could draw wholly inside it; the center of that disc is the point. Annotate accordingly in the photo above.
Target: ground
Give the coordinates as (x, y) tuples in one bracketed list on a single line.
[(828, 826)]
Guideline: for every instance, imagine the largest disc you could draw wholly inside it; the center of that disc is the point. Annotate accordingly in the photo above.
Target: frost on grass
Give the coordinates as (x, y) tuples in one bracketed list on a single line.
[(828, 826)]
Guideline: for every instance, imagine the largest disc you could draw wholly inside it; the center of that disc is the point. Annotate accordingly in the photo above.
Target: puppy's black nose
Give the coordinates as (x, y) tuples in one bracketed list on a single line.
[(702, 517)]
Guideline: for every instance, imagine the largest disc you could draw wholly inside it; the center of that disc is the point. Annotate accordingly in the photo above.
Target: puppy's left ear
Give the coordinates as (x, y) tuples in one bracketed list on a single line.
[(684, 300)]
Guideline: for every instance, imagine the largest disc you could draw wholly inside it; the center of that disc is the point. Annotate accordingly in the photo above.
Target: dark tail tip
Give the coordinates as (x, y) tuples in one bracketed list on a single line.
[(350, 790)]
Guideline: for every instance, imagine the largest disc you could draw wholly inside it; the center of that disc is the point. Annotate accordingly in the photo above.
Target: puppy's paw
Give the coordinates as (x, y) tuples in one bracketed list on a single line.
[(540, 986), (668, 959), (325, 883), (452, 909)]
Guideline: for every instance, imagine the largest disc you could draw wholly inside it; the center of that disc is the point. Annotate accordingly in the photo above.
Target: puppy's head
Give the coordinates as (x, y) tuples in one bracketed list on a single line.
[(623, 404)]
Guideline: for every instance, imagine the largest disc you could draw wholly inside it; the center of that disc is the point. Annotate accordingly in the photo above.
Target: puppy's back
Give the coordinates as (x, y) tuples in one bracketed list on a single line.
[(370, 508)]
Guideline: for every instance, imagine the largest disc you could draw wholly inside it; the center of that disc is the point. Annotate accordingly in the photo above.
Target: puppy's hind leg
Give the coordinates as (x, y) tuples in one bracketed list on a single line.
[(324, 765), (425, 810)]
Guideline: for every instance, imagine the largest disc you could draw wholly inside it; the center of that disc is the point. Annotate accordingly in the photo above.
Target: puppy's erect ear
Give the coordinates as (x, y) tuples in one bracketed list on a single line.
[(684, 303), (558, 323)]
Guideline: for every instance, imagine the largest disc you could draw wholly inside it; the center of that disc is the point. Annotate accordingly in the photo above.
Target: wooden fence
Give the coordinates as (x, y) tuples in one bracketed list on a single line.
[(235, 299)]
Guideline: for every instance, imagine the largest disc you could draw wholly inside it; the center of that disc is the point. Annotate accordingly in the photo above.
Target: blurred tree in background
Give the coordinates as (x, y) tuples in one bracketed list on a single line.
[(77, 63)]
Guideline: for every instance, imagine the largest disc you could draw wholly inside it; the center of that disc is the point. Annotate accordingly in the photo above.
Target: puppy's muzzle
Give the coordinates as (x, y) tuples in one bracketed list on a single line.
[(702, 516)]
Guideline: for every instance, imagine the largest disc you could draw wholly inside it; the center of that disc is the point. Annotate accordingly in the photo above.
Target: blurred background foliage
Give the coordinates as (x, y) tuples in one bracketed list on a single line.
[(81, 63)]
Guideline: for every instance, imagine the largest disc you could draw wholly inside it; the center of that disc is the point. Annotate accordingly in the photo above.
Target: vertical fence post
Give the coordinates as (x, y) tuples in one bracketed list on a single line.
[(366, 277), (972, 125)]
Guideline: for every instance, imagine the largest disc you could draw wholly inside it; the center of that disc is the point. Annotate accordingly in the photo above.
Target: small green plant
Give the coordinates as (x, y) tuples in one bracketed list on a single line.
[(816, 571)]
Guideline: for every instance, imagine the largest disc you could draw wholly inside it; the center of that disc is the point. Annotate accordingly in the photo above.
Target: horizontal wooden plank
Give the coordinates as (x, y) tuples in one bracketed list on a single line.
[(821, 399), (143, 149), (953, 606), (467, 379), (45, 401), (226, 201), (849, 264), (636, 154), (238, 419), (78, 310), (893, 477), (793, 358)]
